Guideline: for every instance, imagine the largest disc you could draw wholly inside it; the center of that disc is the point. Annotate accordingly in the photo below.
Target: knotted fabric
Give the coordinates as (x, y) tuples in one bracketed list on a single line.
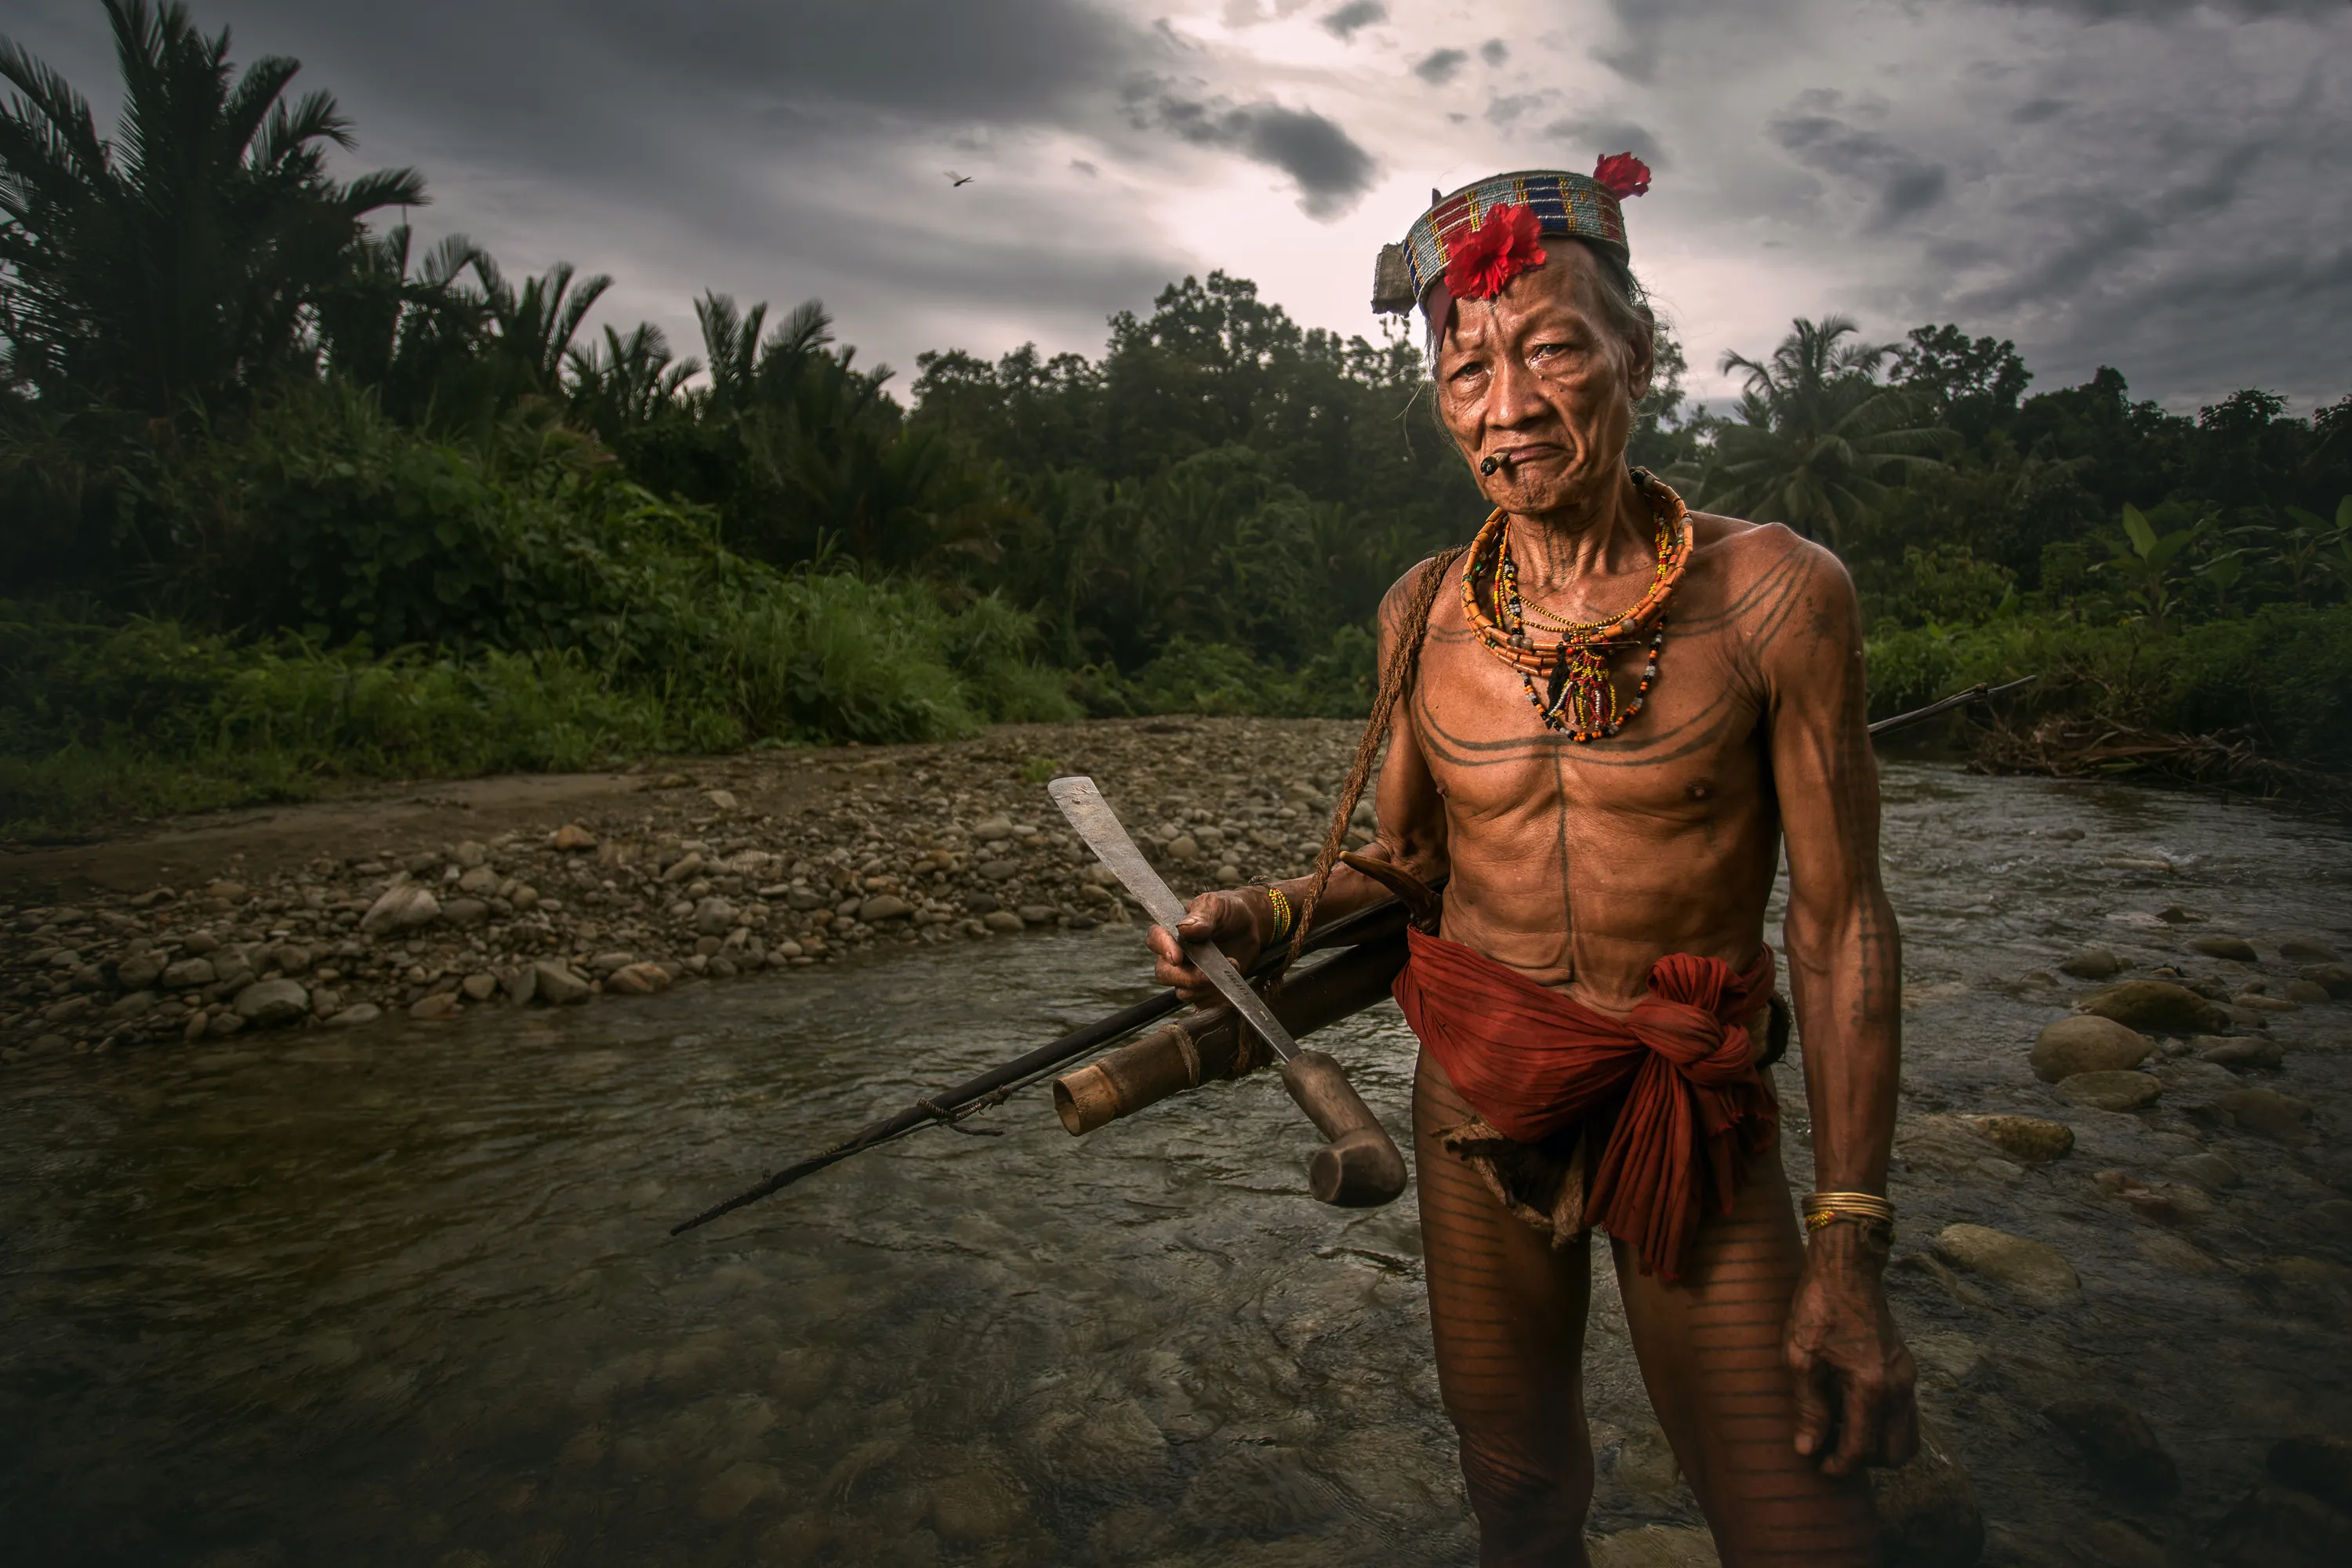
[(1674, 1079)]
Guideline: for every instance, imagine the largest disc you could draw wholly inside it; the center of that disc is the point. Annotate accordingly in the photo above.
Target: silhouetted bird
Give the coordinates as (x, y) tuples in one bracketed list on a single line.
[(955, 179)]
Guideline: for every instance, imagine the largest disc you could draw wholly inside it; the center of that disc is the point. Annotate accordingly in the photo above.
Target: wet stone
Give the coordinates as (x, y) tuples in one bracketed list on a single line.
[(2277, 1527), (1928, 1516), (2092, 963), (638, 980), (2309, 992), (2308, 950), (2320, 1465), (2156, 1006), (188, 974), (885, 907), (2037, 1271), (1003, 921), (273, 1004), (2085, 1044), (2031, 1139), (975, 1507), (404, 908), (2268, 1113), (2236, 948), (2111, 1091), (353, 1017), (2117, 1446), (2335, 979), (1653, 1546), (2243, 1054), (556, 985)]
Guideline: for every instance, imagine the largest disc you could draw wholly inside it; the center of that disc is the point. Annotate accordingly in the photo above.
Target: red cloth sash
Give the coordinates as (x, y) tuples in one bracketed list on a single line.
[(1690, 1111)]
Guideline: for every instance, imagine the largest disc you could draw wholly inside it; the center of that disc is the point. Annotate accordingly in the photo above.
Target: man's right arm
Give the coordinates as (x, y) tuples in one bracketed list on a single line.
[(1410, 833)]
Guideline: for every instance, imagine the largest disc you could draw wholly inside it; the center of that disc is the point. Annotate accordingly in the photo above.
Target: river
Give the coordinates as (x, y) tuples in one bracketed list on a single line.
[(405, 1296)]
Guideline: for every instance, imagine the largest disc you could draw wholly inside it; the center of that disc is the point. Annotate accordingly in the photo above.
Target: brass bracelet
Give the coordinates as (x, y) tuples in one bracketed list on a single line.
[(1281, 902), (1868, 1210)]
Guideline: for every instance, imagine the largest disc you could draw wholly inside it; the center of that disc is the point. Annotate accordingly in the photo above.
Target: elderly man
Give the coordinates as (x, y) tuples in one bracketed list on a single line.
[(1614, 713)]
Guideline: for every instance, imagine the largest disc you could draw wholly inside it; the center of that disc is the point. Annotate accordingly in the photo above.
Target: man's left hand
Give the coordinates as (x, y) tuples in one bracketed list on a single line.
[(1854, 1376)]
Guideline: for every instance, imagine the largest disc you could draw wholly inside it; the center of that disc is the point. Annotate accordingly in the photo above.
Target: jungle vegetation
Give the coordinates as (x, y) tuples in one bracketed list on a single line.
[(287, 495)]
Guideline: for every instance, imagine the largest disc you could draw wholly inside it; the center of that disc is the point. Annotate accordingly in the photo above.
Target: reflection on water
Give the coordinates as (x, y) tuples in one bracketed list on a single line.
[(406, 1297)]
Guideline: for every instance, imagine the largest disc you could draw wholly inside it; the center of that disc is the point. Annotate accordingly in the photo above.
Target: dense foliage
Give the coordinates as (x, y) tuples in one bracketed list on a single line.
[(282, 497)]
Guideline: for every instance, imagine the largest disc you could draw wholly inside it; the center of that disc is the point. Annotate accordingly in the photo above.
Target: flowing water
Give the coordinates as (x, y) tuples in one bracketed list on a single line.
[(405, 1296)]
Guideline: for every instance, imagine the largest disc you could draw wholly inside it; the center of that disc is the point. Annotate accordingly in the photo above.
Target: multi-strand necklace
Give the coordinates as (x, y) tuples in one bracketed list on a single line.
[(1578, 699)]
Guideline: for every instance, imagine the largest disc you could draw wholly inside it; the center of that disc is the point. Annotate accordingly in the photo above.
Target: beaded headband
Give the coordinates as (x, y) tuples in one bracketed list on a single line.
[(1484, 234)]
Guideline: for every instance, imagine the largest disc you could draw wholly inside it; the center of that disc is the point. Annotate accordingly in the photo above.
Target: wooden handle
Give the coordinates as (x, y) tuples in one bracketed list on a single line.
[(1361, 1167)]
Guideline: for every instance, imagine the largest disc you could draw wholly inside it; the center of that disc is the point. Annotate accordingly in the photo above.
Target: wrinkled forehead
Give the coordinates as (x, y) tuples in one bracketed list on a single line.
[(1567, 279)]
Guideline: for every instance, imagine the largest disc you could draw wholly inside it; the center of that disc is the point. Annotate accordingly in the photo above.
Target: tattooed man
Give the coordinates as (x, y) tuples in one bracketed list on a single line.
[(1614, 715)]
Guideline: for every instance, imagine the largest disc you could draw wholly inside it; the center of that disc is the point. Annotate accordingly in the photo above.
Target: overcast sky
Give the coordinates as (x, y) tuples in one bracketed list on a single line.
[(2157, 184)]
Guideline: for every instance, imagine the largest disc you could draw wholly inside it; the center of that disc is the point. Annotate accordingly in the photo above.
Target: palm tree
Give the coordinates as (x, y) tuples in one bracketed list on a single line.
[(175, 264), (1820, 438)]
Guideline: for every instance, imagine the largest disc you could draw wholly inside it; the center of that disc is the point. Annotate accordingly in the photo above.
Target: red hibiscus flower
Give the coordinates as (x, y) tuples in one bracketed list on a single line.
[(1505, 244), (1621, 175)]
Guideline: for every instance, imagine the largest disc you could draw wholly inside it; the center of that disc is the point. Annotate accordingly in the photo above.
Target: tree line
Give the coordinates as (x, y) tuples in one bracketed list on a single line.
[(235, 402)]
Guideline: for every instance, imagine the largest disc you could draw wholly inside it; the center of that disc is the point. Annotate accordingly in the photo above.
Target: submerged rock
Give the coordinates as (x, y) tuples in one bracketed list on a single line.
[(2117, 1445), (2156, 1006), (2236, 948), (2321, 1465), (2111, 1091), (2268, 1113), (2086, 1044), (2035, 1270), (2273, 1527), (1653, 1546), (1927, 1511), (2032, 1138), (2092, 963)]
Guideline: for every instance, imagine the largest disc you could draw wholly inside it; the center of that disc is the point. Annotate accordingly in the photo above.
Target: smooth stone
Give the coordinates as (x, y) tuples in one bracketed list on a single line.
[(2156, 1006), (1004, 920), (2212, 1170), (136, 1005), (982, 904), (1184, 847), (2085, 1043), (715, 916), (1653, 1546), (440, 1004), (999, 870), (2236, 948), (2268, 1113), (2320, 1465), (1927, 1510), (2031, 1139), (2242, 1054), (188, 974), (638, 980), (470, 856), (2174, 1256), (684, 867), (481, 986), (556, 985), (571, 836), (227, 891), (1646, 1466), (2277, 1527), (2308, 950), (2092, 963), (2111, 1091), (993, 829), (2309, 992), (2035, 1269), (975, 1507), (1037, 914), (141, 971), (464, 913), (357, 1013), (604, 963), (522, 984), (2117, 1445), (404, 908), (721, 799), (884, 907), (2335, 979), (273, 1004), (736, 1488), (480, 882)]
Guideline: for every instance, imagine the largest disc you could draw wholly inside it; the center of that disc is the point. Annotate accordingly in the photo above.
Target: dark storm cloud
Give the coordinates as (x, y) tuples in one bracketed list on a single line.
[(2159, 10), (1595, 138), (1494, 51), (1904, 184), (1357, 14), (1330, 169), (1441, 66)]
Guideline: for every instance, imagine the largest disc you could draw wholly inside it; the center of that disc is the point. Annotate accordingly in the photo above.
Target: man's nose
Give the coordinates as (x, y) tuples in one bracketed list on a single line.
[(1514, 397)]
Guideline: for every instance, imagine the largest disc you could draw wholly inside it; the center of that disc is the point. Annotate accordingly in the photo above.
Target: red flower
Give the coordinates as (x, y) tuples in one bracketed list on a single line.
[(1621, 175), (1506, 244)]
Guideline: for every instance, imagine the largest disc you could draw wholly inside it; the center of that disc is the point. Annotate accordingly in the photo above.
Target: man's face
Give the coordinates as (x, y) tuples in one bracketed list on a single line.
[(1537, 378)]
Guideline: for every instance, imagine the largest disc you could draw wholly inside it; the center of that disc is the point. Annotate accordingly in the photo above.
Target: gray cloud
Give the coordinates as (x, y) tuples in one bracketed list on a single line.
[(1441, 66), (1331, 171), (1595, 138), (2164, 10), (1357, 14), (1906, 184), (1494, 51)]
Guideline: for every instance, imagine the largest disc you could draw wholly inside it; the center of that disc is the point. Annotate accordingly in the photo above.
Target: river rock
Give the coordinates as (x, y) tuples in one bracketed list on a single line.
[(2320, 1465), (2308, 950), (1927, 1510), (2087, 1043), (465, 913), (2156, 1006), (2243, 1053), (993, 829), (714, 917), (1653, 1546), (479, 987), (1185, 849), (2111, 1091), (402, 908), (357, 1013), (2268, 1113), (1037, 914), (976, 1506), (684, 866), (142, 969), (2092, 963), (2033, 1140), (2211, 1169), (522, 984), (884, 907), (2335, 979), (737, 1487), (556, 985), (480, 882), (273, 1004), (2117, 1445), (999, 870), (2216, 944), (2309, 993), (133, 1005), (188, 974), (638, 980), (439, 1004), (1003, 921), (571, 837), (2036, 1271), (721, 799), (2277, 1527)]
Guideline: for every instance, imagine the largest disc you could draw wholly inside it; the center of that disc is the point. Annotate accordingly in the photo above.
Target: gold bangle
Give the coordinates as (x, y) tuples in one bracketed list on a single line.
[(1281, 902), (1868, 1210)]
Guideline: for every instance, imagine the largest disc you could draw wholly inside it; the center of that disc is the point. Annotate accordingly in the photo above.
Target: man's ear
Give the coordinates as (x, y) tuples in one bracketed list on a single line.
[(1644, 367)]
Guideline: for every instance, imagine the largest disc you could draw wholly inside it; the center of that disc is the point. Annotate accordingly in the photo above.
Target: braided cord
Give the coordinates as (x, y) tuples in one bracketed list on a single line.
[(1411, 635)]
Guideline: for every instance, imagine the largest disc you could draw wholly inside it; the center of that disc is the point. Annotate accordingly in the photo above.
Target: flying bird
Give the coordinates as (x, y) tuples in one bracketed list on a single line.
[(955, 179)]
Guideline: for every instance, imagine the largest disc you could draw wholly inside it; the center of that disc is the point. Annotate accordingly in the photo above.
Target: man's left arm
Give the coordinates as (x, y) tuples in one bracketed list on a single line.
[(1845, 975)]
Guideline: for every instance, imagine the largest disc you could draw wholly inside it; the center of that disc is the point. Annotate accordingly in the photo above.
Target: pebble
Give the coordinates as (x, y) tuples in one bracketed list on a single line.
[(571, 837), (2032, 1138), (2236, 948), (884, 907), (2111, 1091), (2037, 1271), (2084, 1044), (2335, 979), (273, 1004), (1003, 921), (2156, 1006), (638, 980), (188, 974), (556, 985), (403, 907), (2092, 963), (2309, 992), (2268, 1113)]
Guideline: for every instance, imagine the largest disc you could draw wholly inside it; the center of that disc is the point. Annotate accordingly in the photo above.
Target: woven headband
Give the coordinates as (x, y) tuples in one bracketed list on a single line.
[(1484, 234)]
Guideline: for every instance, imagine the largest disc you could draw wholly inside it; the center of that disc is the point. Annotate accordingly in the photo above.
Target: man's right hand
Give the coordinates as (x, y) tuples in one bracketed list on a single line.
[(1237, 919)]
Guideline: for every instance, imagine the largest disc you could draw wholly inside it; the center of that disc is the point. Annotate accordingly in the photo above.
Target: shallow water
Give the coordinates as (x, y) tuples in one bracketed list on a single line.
[(405, 1296)]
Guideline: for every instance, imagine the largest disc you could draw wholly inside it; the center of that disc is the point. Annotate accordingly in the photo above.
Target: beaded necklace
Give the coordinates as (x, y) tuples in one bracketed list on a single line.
[(1578, 700)]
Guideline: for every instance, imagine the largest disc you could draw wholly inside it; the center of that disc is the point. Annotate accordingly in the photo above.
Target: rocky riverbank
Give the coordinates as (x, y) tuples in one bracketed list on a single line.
[(671, 874)]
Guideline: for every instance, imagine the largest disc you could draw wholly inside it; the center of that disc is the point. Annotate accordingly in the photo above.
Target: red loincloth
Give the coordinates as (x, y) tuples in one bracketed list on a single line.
[(1674, 1079)]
